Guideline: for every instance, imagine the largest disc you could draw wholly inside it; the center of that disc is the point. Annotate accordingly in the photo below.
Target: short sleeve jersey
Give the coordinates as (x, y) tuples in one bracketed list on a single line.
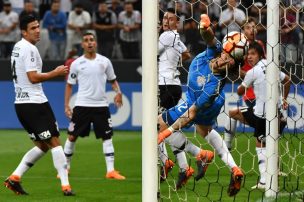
[(170, 49), (25, 58), (256, 77), (201, 81), (91, 76)]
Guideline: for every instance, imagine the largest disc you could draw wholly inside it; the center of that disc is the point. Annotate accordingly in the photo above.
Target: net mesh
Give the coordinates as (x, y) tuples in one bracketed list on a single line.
[(213, 186)]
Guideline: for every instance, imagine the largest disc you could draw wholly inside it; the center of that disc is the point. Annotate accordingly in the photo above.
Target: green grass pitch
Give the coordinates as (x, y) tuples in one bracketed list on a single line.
[(88, 173), (88, 170)]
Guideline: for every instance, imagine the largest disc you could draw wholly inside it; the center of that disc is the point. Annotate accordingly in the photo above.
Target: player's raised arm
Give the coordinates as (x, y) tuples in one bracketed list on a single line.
[(206, 31)]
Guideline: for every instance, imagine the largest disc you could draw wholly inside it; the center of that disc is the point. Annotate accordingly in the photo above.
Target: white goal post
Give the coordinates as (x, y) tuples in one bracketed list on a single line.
[(149, 100), (272, 134)]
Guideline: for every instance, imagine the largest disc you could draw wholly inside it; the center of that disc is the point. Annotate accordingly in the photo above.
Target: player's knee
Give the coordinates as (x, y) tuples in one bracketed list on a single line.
[(72, 138), (233, 112)]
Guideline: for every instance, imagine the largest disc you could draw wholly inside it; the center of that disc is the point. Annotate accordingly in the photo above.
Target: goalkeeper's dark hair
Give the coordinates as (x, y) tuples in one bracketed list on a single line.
[(173, 11), (259, 49), (24, 21)]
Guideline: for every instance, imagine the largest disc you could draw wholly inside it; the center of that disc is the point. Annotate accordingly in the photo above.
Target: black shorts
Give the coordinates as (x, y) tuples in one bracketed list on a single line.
[(82, 118), (38, 120), (169, 95), (259, 124)]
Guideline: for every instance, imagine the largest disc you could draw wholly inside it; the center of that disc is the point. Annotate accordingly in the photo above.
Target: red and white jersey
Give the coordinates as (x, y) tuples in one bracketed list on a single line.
[(256, 77), (26, 58), (91, 76), (170, 49)]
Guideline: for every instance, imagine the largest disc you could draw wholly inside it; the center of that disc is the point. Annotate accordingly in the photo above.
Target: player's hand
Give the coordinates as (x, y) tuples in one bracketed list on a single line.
[(285, 104), (204, 22), (118, 100), (68, 112), (62, 70)]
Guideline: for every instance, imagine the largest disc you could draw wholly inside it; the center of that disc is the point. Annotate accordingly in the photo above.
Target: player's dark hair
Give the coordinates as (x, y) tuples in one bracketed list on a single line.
[(89, 34), (24, 21), (251, 19), (173, 11), (259, 49)]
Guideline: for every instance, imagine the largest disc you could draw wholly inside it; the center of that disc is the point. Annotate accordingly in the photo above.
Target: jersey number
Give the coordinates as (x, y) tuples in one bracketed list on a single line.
[(13, 68)]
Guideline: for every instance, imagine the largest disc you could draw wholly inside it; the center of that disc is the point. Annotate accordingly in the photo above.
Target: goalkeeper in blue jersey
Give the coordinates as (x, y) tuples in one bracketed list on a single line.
[(204, 100)]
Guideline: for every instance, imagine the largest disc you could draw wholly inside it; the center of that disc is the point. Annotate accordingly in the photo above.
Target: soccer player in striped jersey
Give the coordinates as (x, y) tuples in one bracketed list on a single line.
[(32, 107), (204, 100), (91, 71)]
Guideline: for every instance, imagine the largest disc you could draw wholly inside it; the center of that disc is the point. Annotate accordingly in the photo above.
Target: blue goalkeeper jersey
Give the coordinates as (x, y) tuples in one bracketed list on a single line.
[(203, 86)]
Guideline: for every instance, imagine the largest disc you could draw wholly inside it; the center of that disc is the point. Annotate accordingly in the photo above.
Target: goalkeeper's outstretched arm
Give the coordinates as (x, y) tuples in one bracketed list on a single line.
[(206, 31)]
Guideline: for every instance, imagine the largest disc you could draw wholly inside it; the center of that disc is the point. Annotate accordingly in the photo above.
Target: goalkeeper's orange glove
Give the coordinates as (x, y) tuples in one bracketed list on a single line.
[(205, 21), (164, 134)]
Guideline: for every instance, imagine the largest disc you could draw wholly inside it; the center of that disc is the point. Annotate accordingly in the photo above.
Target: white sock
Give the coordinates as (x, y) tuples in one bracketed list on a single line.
[(192, 148), (216, 141), (229, 131), (182, 160), (28, 160), (108, 151), (60, 164), (261, 152), (162, 152), (69, 148)]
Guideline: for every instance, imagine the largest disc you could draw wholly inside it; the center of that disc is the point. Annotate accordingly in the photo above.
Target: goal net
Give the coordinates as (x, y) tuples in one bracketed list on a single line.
[(235, 15)]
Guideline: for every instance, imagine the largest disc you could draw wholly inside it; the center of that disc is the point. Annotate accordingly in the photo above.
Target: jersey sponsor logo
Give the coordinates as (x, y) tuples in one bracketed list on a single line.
[(44, 135), (32, 56), (15, 54), (21, 95), (16, 48)]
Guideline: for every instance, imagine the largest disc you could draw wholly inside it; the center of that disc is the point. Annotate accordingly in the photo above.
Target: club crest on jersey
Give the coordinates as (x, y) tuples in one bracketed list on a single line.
[(201, 80)]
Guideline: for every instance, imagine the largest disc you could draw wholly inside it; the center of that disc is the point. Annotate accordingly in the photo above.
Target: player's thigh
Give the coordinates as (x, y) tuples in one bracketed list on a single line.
[(207, 115), (169, 95), (249, 116), (102, 123), (80, 123), (38, 120)]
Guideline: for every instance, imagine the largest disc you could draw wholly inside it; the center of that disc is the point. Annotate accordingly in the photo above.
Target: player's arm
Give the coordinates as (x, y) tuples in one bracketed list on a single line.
[(186, 55), (248, 81), (118, 97), (36, 77), (286, 87), (181, 122), (206, 31), (67, 96)]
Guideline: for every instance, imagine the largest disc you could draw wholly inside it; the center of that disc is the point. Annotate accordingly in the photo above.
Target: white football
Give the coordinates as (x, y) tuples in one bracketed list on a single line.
[(236, 45)]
